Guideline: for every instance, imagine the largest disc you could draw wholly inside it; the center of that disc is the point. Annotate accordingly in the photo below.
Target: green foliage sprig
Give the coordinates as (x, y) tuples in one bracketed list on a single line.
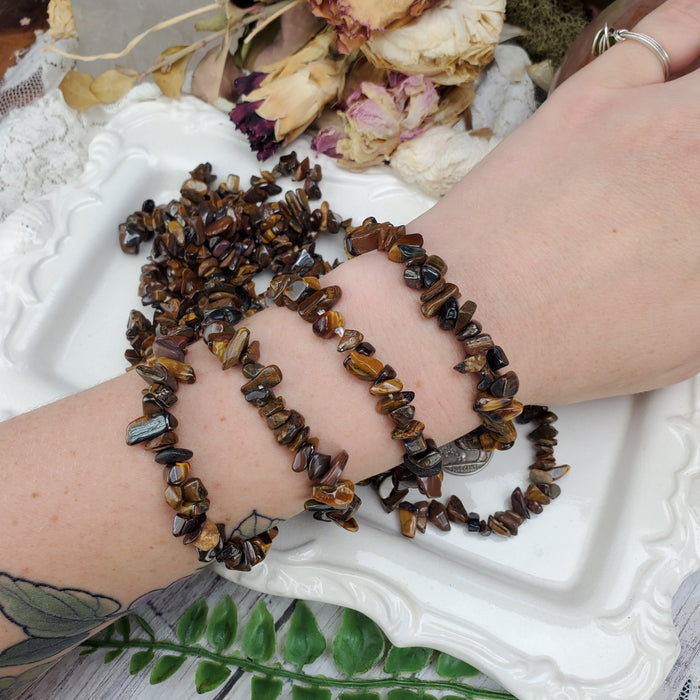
[(359, 646)]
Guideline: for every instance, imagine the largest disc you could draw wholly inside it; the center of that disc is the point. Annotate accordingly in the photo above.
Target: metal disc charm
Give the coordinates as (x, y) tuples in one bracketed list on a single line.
[(464, 455)]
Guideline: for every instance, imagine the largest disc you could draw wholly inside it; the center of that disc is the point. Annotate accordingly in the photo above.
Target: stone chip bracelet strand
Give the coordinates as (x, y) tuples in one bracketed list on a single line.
[(207, 247), (495, 403)]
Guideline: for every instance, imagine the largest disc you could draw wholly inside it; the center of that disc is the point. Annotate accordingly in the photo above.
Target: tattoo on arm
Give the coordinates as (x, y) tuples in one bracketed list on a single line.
[(54, 620), (254, 524)]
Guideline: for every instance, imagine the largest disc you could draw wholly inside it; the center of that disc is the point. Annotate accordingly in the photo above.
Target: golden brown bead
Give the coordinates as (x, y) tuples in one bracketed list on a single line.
[(350, 340), (181, 371), (235, 349), (327, 324), (534, 494), (173, 496), (318, 302), (409, 431), (389, 386), (339, 494), (209, 537), (408, 519), (363, 366), (471, 363)]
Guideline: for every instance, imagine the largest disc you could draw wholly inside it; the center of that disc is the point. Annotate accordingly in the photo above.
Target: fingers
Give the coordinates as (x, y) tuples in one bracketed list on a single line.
[(675, 25)]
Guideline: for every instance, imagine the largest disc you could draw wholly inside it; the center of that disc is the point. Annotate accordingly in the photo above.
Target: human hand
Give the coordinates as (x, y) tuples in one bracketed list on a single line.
[(579, 234)]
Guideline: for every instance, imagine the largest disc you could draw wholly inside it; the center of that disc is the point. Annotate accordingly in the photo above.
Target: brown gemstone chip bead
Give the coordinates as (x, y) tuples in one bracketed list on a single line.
[(456, 511), (318, 302), (328, 324), (350, 340), (149, 427), (362, 366), (408, 519)]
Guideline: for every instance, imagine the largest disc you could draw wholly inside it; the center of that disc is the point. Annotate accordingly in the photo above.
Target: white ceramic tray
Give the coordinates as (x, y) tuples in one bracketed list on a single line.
[(577, 606)]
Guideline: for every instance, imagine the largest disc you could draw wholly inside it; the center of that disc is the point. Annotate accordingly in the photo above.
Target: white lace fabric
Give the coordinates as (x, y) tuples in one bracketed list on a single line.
[(43, 142)]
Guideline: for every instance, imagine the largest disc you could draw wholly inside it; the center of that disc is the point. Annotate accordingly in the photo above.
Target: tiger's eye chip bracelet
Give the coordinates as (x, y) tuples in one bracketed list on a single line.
[(207, 248)]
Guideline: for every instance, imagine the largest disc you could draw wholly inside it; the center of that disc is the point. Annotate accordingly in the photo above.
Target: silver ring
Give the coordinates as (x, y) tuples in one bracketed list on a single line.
[(607, 36)]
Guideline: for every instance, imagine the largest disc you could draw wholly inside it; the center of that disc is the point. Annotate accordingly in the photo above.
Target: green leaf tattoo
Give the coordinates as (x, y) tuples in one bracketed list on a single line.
[(54, 619), (12, 686), (358, 645)]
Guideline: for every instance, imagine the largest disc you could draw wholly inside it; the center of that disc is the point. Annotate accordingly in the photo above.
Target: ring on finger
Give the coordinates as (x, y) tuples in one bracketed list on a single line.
[(607, 36)]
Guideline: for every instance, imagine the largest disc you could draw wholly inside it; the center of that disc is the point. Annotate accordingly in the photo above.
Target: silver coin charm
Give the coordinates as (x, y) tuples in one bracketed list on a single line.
[(464, 455)]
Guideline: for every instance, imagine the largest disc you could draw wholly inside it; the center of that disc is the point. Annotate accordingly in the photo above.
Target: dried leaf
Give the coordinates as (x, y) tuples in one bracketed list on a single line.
[(212, 24), (214, 76), (75, 87), (111, 85), (292, 31), (170, 78)]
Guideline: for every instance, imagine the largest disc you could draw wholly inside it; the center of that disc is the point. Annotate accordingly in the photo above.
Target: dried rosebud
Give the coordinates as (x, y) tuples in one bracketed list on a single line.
[(378, 118), (260, 131), (279, 103)]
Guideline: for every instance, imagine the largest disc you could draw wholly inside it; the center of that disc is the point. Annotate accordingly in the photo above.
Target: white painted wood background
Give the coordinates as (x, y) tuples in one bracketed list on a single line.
[(89, 678)]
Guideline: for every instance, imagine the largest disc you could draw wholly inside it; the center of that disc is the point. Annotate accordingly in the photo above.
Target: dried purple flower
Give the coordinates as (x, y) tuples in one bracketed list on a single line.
[(260, 131)]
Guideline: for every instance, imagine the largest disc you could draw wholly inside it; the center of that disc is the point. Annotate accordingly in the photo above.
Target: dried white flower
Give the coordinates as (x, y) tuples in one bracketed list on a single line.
[(440, 157), (449, 43)]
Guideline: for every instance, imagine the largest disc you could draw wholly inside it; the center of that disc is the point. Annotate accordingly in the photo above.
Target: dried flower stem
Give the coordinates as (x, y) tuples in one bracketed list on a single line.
[(161, 25), (278, 13), (166, 61)]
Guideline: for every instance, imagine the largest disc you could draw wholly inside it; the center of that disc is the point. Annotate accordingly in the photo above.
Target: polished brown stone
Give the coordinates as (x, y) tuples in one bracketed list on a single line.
[(180, 370), (539, 476), (328, 324), (409, 431), (517, 500), (350, 340), (176, 474), (318, 302), (362, 366), (286, 432), (471, 363), (505, 385), (193, 490), (408, 519), (338, 463), (392, 402), (456, 510), (498, 527), (235, 349), (338, 494), (149, 427), (437, 515), (173, 496), (533, 493)]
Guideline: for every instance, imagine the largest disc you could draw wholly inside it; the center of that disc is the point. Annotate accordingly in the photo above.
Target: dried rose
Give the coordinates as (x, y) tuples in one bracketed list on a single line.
[(449, 43), (440, 157), (355, 21), (378, 118), (279, 102)]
